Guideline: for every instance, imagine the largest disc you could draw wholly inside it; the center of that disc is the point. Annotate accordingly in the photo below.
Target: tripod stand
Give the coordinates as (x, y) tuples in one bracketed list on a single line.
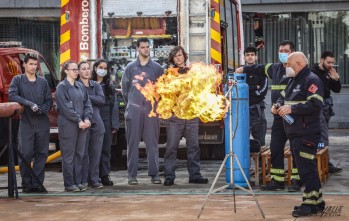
[(231, 156)]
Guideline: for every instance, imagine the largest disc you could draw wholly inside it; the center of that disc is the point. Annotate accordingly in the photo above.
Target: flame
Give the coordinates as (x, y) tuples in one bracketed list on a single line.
[(187, 96)]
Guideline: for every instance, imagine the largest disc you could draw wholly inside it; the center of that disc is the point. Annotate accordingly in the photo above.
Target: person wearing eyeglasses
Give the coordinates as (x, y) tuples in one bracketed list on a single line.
[(75, 112), (33, 92)]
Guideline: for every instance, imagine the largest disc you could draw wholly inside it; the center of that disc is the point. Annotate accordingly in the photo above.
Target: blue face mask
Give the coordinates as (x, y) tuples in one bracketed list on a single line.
[(283, 57)]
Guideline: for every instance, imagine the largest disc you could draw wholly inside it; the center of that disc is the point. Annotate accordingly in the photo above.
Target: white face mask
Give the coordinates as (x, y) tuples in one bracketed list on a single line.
[(290, 72), (101, 72)]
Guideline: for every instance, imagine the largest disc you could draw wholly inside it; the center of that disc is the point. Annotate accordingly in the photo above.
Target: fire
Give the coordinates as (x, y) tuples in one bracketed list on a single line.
[(187, 96)]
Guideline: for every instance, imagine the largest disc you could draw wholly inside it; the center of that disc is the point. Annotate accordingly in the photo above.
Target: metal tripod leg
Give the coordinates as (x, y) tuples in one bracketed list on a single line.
[(231, 184), (12, 180)]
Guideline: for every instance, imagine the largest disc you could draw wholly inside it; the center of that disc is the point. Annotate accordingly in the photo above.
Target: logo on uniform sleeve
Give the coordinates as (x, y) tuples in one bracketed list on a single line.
[(313, 88)]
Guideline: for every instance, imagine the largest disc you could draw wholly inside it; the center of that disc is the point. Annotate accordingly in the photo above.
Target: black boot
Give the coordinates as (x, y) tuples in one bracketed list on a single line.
[(304, 210), (106, 181), (273, 185), (295, 186)]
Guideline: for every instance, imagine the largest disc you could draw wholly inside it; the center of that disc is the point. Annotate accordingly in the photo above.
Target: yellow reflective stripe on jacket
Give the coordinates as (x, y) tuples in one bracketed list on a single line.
[(294, 102), (278, 178), (278, 87), (311, 194), (266, 69), (316, 96), (282, 93), (277, 171), (294, 170), (306, 155)]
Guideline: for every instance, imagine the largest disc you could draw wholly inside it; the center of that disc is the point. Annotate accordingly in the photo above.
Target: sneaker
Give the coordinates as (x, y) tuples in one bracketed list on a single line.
[(273, 185), (38, 189), (200, 180), (106, 181), (97, 185), (168, 182), (295, 186), (334, 169), (155, 179), (83, 186), (304, 210), (132, 181), (72, 188)]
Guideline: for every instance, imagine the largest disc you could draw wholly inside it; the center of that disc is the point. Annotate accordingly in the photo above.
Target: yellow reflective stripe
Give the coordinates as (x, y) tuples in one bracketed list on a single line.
[(266, 69), (294, 170), (307, 155), (295, 177), (278, 87), (283, 93), (277, 171), (294, 102), (316, 96), (312, 193), (278, 178), (310, 202)]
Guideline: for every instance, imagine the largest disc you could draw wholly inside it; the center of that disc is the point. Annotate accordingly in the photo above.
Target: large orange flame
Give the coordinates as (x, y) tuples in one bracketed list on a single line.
[(189, 95)]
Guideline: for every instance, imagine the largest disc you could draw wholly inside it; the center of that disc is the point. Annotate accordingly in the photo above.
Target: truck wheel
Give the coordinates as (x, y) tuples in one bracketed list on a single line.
[(212, 151)]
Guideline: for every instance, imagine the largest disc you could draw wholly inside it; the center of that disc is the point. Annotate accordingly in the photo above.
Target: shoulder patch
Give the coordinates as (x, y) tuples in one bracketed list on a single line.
[(313, 88)]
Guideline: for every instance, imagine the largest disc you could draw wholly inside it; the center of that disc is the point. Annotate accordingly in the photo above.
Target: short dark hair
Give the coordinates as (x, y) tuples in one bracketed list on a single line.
[(288, 42), (173, 53), (30, 55), (326, 54), (142, 40), (250, 49)]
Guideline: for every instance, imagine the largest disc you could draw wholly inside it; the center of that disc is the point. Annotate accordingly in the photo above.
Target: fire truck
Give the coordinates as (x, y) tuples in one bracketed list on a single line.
[(209, 30)]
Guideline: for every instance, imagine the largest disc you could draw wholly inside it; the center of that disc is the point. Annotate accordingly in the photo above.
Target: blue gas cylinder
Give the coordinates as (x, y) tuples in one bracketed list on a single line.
[(239, 113)]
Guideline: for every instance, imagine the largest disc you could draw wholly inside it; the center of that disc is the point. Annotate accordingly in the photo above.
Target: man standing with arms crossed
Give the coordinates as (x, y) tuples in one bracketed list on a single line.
[(138, 124), (33, 92), (330, 79), (276, 71)]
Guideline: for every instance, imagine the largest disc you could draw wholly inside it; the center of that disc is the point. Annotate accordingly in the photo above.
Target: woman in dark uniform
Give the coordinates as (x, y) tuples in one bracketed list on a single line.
[(110, 116), (95, 135), (75, 110)]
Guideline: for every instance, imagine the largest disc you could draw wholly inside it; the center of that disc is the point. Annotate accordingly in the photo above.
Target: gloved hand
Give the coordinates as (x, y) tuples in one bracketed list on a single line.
[(37, 110)]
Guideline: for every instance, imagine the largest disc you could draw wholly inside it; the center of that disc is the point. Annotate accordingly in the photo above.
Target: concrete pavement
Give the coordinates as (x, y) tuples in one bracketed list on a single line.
[(181, 201)]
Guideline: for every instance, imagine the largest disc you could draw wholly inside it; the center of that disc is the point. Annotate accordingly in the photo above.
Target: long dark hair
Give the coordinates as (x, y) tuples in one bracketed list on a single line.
[(106, 78), (65, 67), (173, 53)]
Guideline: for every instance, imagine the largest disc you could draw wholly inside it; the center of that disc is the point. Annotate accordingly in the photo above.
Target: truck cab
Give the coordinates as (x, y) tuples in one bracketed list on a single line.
[(11, 64)]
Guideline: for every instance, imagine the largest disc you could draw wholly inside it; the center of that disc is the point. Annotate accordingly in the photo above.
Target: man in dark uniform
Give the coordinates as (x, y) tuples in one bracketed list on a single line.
[(302, 100), (330, 79), (33, 92), (258, 88), (176, 128), (276, 71), (138, 124)]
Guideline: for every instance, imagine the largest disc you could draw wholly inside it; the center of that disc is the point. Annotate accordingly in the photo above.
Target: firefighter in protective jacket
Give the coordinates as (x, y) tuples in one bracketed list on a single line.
[(302, 100)]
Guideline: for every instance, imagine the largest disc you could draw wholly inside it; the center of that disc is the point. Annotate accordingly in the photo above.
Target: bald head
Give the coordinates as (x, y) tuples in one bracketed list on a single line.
[(297, 61)]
